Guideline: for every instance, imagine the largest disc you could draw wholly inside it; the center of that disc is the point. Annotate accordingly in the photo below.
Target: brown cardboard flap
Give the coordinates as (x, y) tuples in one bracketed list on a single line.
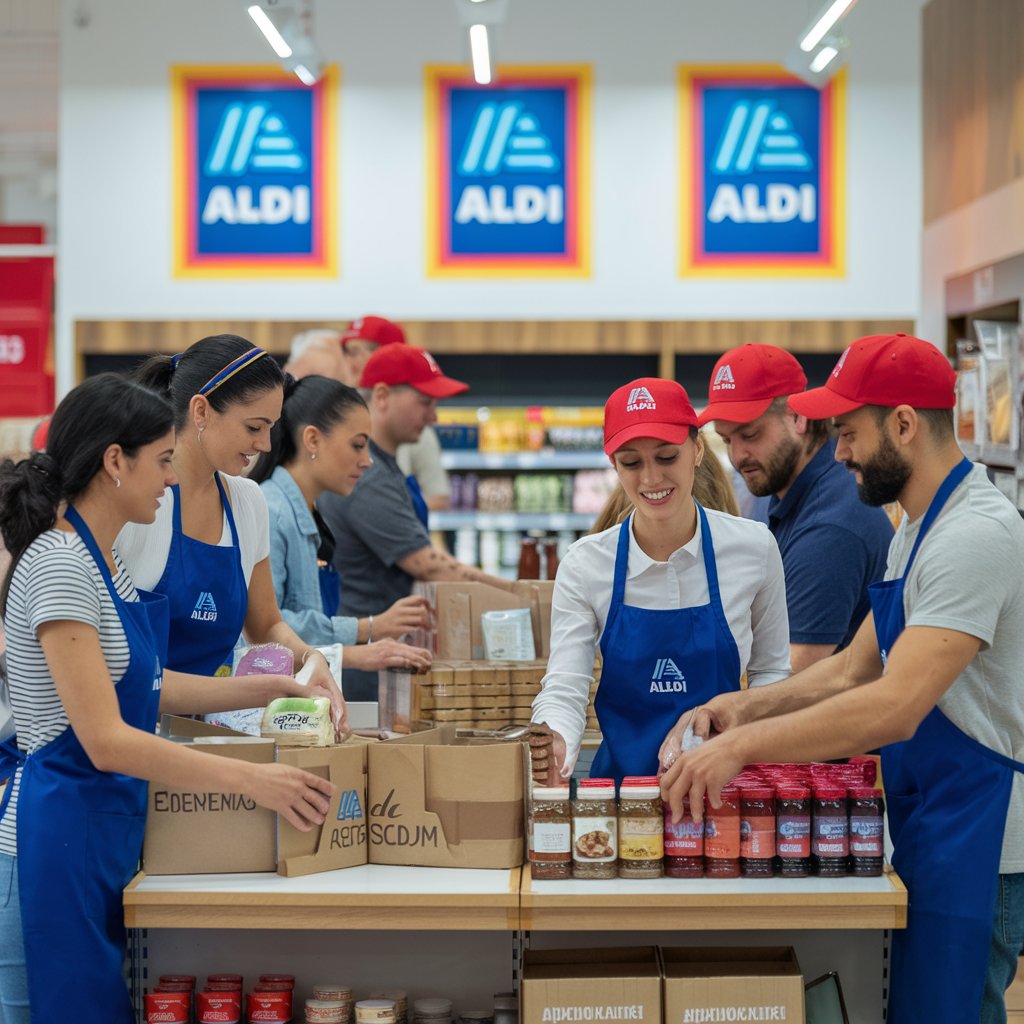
[(341, 841)]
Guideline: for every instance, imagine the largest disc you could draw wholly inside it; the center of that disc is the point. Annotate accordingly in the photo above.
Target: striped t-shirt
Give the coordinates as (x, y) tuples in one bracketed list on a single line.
[(56, 580)]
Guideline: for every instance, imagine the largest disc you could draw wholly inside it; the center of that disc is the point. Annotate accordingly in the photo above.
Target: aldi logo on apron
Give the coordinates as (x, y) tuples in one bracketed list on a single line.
[(667, 678), (507, 166), (254, 182), (205, 609), (762, 173)]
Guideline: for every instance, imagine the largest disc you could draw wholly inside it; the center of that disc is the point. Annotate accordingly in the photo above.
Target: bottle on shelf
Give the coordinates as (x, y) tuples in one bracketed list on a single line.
[(529, 559)]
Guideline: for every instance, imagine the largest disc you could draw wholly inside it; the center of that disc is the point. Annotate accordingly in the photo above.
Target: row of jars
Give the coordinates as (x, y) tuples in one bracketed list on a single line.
[(760, 830)]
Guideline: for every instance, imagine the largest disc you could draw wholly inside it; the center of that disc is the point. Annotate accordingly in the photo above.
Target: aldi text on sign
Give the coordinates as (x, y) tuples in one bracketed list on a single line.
[(508, 194), (255, 190), (762, 173)]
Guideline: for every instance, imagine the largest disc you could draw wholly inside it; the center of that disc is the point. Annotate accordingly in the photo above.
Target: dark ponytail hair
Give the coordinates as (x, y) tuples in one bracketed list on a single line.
[(104, 410), (320, 402), (183, 376)]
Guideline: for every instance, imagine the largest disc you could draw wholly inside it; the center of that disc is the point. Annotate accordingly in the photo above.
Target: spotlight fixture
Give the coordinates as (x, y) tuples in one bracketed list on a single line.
[(823, 23), (287, 25), (819, 66), (480, 17)]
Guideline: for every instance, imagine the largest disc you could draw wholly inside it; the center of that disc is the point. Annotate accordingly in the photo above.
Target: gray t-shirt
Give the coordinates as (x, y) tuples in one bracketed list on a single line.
[(374, 528), (969, 576)]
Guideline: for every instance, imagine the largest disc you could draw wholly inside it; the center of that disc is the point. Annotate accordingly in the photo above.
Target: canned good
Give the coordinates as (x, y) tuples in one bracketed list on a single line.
[(325, 1011), (333, 990), (167, 1007), (275, 978), (236, 979), (375, 1011), (175, 979), (269, 1007), (218, 1007)]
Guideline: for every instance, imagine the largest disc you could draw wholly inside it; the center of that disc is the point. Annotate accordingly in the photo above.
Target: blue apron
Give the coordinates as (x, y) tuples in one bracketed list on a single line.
[(80, 836), (207, 595), (330, 588), (947, 797), (658, 664), (419, 503)]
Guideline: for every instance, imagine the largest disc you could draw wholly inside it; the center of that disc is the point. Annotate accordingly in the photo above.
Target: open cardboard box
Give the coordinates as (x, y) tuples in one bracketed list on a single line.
[(614, 984), (191, 832), (212, 832), (763, 982), (439, 801)]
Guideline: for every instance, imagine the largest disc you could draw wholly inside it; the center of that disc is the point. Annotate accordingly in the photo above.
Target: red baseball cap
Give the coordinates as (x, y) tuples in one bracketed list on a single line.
[(882, 369), (375, 329), (747, 379), (403, 364), (647, 407)]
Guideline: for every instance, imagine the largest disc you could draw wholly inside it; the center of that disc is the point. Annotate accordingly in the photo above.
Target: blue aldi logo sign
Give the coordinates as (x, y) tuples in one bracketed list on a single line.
[(254, 189), (762, 174), (508, 194)]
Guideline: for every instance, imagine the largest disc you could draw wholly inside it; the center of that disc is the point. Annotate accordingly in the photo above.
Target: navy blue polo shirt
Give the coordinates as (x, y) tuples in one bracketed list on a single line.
[(833, 546)]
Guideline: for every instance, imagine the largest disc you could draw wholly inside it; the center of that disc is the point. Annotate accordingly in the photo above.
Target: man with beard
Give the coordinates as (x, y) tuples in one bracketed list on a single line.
[(832, 545), (932, 677)]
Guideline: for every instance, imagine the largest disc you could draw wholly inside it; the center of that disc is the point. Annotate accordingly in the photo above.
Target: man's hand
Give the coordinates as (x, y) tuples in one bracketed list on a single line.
[(719, 714), (706, 770)]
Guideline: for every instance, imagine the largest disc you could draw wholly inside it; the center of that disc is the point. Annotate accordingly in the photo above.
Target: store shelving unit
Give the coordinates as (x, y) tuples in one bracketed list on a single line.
[(544, 461), (550, 521)]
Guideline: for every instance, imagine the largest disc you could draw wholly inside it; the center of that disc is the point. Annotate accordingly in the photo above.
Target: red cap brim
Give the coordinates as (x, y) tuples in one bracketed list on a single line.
[(440, 387), (670, 433), (734, 412), (822, 404)]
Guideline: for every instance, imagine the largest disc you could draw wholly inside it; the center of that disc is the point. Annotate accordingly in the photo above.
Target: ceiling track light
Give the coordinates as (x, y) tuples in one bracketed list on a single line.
[(270, 31), (480, 52), (823, 58), (821, 25)]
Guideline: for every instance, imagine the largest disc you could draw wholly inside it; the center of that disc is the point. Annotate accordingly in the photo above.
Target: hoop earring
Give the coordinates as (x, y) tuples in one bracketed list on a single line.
[(117, 481)]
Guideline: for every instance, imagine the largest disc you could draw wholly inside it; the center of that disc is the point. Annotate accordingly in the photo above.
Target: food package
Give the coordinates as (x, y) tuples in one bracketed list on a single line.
[(508, 635), (264, 659), (299, 722), (968, 391)]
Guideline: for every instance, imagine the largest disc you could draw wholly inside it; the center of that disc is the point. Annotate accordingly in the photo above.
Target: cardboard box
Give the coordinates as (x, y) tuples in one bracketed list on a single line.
[(764, 983), (341, 841), (566, 986), (436, 801), (209, 832)]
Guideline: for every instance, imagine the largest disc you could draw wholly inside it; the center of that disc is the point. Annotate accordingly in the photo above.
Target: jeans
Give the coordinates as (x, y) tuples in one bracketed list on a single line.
[(1007, 946), (13, 977)]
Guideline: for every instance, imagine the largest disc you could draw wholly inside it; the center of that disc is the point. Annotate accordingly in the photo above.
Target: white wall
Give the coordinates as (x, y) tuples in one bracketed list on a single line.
[(115, 158)]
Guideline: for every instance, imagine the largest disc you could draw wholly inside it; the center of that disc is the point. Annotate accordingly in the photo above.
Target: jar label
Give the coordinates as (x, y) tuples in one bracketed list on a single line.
[(866, 837), (593, 840), (794, 835), (722, 837), (831, 835), (641, 839), (551, 837), (757, 837), (685, 838)]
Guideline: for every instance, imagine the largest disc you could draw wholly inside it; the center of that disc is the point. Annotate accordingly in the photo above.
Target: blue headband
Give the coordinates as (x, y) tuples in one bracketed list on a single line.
[(230, 370)]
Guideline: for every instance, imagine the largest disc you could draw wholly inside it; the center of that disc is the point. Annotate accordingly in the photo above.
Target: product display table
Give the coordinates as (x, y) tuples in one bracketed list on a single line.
[(713, 904), (380, 897), (373, 896)]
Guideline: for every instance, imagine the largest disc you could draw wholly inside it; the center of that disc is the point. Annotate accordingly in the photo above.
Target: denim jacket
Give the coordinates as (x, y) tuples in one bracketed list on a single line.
[(294, 542)]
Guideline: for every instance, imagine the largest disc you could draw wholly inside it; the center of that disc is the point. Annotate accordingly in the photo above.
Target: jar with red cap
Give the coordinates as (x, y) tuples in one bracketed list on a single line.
[(831, 831), (793, 830), (722, 836), (684, 844), (867, 831), (641, 828), (757, 831), (219, 1007), (595, 830)]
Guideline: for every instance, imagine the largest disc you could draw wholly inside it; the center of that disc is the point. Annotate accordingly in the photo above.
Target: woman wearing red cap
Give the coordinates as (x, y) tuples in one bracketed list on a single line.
[(683, 600)]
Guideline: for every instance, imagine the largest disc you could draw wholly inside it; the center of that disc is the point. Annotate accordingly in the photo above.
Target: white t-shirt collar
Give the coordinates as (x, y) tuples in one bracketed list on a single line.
[(640, 561)]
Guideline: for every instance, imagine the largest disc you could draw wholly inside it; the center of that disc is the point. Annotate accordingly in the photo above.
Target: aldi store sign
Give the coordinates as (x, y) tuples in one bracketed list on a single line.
[(254, 188), (762, 173), (507, 166)]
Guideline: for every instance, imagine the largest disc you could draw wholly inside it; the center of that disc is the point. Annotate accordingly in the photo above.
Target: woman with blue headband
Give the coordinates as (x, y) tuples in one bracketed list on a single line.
[(208, 550)]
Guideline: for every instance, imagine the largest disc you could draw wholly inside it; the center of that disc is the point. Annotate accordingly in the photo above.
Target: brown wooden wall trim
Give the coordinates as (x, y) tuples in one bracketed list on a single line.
[(505, 337), (973, 95)]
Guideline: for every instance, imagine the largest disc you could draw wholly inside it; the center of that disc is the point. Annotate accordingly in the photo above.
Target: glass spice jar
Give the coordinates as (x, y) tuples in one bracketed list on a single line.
[(684, 844), (867, 831), (831, 831), (793, 831), (722, 836), (551, 834), (757, 831), (595, 830), (641, 824)]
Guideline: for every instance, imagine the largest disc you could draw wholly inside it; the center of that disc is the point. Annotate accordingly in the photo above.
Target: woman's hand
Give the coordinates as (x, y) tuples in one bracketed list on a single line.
[(322, 684), (388, 654), (406, 615), (300, 797)]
